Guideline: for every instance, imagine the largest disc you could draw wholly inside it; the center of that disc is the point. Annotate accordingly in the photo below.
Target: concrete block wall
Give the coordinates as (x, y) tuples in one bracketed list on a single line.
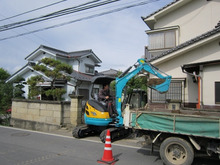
[(76, 110), (66, 114), (40, 115)]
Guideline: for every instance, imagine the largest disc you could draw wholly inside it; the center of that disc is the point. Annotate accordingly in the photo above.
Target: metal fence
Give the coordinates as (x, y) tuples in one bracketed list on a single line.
[(174, 93)]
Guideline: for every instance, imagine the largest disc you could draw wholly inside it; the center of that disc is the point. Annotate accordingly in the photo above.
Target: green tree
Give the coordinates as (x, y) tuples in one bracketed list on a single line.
[(6, 91), (18, 92), (56, 93), (3, 75), (35, 90), (134, 83), (54, 69), (137, 83)]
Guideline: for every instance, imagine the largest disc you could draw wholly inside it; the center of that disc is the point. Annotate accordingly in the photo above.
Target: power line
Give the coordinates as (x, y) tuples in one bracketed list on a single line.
[(33, 10), (38, 18), (63, 12), (81, 19)]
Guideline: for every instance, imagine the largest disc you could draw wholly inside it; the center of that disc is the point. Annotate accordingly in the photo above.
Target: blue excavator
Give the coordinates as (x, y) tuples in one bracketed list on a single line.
[(97, 117)]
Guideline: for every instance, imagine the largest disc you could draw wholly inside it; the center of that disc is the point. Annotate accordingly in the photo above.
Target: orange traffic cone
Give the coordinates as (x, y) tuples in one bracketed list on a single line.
[(107, 157)]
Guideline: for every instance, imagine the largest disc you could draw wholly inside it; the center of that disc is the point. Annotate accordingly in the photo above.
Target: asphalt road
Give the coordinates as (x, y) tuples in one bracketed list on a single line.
[(23, 147)]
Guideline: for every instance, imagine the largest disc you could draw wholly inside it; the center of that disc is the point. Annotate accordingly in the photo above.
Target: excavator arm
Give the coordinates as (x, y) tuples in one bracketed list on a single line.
[(139, 66)]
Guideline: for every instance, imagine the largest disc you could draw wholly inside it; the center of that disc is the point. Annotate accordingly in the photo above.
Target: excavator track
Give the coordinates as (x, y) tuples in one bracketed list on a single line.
[(116, 133), (82, 131), (86, 130)]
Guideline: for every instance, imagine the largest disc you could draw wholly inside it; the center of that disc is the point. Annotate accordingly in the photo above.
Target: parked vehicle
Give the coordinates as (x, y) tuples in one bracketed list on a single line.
[(179, 134)]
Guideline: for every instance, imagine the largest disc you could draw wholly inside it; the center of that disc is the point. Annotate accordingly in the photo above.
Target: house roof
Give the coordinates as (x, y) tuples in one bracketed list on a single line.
[(110, 72), (60, 53), (23, 70), (17, 73), (161, 9), (81, 76), (217, 25), (77, 75), (188, 43), (77, 54)]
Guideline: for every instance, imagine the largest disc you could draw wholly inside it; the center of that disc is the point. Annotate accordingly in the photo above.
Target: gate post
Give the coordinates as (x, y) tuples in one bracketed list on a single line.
[(75, 110)]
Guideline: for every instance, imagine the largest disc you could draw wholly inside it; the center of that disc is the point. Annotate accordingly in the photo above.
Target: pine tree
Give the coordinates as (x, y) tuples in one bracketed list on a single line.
[(55, 70)]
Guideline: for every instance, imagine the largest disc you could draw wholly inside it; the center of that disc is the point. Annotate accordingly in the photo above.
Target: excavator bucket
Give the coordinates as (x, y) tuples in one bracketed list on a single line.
[(161, 85)]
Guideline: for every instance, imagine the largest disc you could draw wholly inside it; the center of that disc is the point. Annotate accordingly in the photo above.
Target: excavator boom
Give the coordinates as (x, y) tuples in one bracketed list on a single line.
[(121, 81)]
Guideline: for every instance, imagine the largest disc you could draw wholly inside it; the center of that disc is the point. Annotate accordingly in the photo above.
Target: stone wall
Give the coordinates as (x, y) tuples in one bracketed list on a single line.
[(40, 115)]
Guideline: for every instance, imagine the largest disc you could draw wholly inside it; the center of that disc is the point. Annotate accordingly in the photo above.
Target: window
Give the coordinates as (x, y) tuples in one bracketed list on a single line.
[(174, 93), (89, 69), (95, 93), (162, 40), (217, 92)]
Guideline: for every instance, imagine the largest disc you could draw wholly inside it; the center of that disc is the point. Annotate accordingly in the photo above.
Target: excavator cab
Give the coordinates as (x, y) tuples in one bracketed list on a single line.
[(96, 112)]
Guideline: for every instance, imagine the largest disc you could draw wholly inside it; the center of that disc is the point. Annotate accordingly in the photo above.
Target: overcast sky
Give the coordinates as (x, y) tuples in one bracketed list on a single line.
[(118, 39)]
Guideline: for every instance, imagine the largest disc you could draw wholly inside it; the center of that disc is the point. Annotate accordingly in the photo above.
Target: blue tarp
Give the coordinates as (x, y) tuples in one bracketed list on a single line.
[(190, 125)]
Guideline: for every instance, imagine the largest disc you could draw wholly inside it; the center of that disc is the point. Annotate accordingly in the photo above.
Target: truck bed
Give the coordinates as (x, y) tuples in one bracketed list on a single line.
[(187, 122)]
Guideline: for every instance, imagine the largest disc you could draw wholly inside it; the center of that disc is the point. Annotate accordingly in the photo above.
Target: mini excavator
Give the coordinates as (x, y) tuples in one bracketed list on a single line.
[(96, 116)]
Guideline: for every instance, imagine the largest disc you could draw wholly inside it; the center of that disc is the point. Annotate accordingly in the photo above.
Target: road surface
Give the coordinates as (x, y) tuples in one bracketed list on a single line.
[(23, 147)]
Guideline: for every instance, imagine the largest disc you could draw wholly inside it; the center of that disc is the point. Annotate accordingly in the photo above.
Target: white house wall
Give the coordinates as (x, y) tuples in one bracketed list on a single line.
[(210, 76), (191, 90), (70, 61), (172, 67), (69, 90), (26, 76), (193, 19), (42, 55), (79, 64), (75, 65), (85, 61)]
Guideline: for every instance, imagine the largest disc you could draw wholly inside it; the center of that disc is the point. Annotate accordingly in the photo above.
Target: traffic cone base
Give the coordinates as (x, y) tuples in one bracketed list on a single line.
[(107, 155), (107, 162)]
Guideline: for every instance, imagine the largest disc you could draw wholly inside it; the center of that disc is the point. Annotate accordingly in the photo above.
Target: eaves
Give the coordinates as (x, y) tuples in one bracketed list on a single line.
[(23, 70), (35, 53), (151, 19)]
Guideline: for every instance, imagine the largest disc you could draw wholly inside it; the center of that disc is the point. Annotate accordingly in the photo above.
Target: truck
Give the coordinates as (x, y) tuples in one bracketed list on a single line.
[(179, 134)]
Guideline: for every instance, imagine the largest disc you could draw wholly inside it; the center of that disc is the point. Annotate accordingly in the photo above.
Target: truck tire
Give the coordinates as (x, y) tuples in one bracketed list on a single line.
[(176, 151)]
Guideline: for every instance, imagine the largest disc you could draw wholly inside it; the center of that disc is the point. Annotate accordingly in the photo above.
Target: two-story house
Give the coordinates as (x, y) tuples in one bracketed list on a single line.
[(184, 42), (83, 63)]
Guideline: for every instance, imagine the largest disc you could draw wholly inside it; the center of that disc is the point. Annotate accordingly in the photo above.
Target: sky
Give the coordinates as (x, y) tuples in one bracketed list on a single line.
[(118, 39)]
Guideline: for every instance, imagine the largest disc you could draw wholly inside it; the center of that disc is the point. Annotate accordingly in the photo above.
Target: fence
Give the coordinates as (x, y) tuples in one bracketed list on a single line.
[(46, 115)]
